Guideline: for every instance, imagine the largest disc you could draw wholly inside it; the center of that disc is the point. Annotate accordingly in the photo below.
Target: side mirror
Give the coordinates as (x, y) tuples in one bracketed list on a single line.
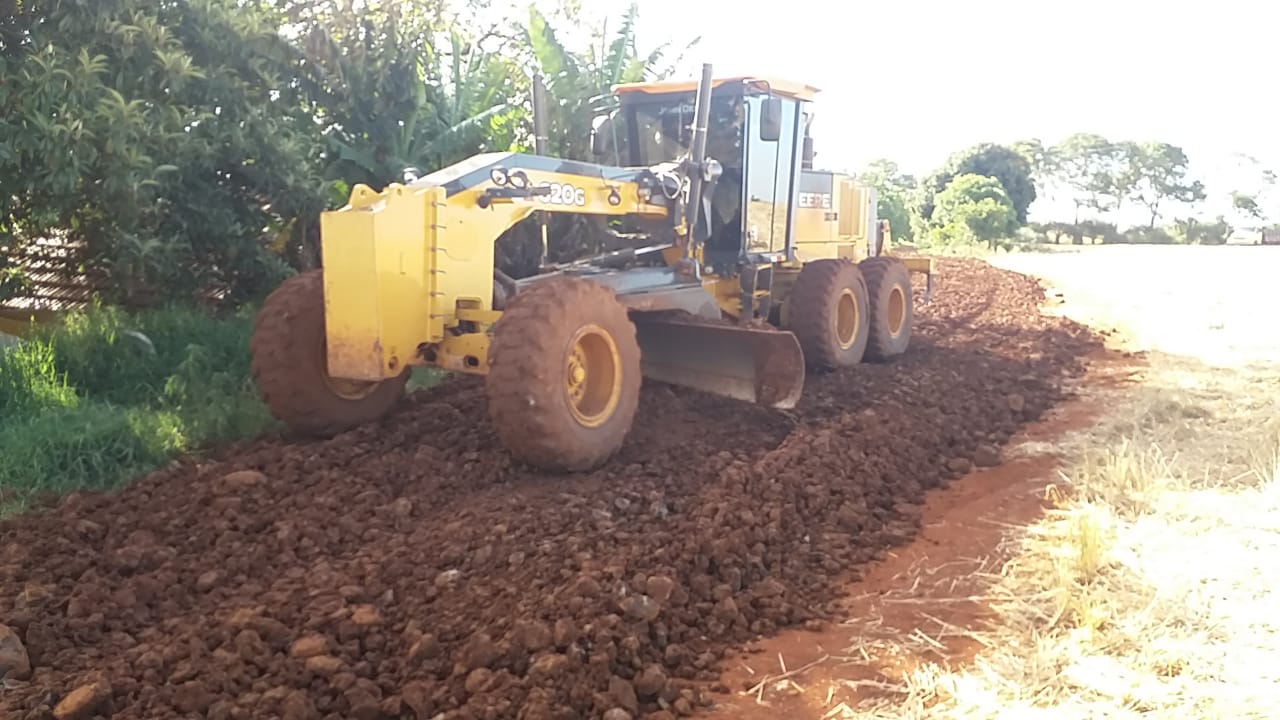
[(601, 135), (771, 119)]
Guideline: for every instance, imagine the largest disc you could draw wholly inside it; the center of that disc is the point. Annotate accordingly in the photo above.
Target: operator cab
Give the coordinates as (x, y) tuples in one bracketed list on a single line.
[(757, 131)]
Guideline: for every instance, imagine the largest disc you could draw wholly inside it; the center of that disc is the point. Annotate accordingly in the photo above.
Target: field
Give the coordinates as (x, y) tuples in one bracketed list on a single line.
[(869, 554)]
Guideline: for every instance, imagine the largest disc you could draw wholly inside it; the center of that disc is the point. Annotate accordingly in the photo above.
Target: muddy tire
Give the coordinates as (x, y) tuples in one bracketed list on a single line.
[(889, 289), (564, 375), (828, 312), (288, 365)]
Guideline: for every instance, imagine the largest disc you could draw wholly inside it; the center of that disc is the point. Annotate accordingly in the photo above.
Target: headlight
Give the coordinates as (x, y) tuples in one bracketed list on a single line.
[(498, 176), (518, 180)]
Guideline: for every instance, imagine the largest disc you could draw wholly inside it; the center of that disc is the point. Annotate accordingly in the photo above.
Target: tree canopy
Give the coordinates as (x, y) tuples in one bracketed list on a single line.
[(974, 208), (1010, 167), (186, 149)]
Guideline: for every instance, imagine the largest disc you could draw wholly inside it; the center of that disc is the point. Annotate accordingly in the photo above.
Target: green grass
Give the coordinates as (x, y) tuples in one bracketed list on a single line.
[(107, 395)]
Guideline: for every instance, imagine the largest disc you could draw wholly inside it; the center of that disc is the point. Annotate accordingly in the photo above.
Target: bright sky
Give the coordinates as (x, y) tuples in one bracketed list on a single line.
[(914, 80)]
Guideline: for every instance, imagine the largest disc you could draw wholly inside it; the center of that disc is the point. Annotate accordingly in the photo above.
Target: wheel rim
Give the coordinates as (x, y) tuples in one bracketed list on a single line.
[(343, 388), (897, 311), (592, 381), (847, 319)]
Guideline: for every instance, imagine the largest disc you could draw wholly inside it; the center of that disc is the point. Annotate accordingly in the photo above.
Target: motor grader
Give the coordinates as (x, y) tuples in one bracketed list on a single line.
[(745, 267)]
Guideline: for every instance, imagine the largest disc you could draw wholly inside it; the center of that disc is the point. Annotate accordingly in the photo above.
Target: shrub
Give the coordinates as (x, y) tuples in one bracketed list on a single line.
[(106, 394)]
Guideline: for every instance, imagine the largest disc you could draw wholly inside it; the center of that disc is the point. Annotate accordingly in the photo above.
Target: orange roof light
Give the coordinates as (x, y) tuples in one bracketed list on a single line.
[(784, 88)]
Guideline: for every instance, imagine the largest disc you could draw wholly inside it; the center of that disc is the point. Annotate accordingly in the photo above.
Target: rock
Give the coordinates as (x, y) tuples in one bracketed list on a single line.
[(242, 479), (533, 635), (42, 642), (192, 697), (208, 581), (242, 618), (309, 646), (478, 680), (676, 655), (1017, 403), (324, 665), (986, 456), (650, 681), (641, 607), (366, 615), (617, 714), (33, 597), (15, 664), (586, 587), (448, 578), (565, 633), (683, 706), (297, 706), (250, 645), (479, 652), (403, 507), (82, 702), (90, 530), (659, 587), (770, 588), (548, 666), (624, 694), (726, 609), (426, 647), (417, 696), (391, 707), (352, 593), (364, 699), (959, 465), (660, 715)]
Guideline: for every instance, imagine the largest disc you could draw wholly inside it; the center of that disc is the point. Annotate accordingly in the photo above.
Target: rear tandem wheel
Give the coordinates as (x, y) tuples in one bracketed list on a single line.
[(889, 290), (828, 312)]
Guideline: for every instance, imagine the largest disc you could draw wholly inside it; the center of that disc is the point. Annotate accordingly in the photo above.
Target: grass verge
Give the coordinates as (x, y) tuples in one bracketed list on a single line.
[(107, 395), (1148, 590)]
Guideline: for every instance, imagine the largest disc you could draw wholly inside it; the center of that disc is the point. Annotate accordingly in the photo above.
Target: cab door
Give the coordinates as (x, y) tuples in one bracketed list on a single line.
[(770, 174)]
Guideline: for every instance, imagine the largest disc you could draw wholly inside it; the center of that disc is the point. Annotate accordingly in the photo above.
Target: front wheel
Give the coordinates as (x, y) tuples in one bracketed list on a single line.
[(289, 365), (564, 375)]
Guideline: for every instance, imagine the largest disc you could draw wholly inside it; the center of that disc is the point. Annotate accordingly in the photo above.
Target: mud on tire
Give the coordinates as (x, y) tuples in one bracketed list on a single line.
[(288, 365), (828, 296), (542, 415), (889, 290)]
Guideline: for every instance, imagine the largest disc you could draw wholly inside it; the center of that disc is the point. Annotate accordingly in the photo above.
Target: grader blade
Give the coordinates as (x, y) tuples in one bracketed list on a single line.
[(759, 366)]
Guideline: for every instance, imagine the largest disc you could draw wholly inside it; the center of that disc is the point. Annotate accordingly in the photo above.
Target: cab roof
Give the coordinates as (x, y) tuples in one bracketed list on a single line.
[(778, 86)]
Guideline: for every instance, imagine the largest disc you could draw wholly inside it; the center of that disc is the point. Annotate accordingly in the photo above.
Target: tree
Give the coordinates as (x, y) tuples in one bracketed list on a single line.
[(893, 193), (579, 87), (1157, 173), (1007, 165), (1192, 231), (1247, 205), (579, 84), (974, 208), (1044, 162), (156, 139), (1093, 167), (1252, 202)]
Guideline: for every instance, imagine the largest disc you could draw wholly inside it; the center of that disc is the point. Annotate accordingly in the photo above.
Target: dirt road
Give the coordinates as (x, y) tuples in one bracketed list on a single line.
[(411, 570)]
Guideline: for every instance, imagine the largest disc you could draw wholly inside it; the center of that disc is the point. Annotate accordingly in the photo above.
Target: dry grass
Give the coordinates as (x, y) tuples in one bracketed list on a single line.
[(1149, 590)]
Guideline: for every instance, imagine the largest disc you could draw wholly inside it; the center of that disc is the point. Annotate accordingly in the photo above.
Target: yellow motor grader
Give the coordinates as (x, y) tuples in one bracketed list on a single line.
[(745, 267)]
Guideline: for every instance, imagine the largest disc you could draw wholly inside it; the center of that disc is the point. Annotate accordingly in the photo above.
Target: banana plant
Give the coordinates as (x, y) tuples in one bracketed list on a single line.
[(579, 84)]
